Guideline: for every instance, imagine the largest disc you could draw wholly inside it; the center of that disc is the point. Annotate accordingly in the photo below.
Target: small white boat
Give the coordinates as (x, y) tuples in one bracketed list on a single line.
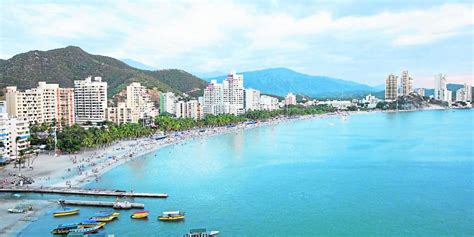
[(122, 204)]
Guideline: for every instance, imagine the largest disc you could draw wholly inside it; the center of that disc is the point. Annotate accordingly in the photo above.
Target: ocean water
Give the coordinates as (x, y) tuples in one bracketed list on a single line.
[(375, 174)]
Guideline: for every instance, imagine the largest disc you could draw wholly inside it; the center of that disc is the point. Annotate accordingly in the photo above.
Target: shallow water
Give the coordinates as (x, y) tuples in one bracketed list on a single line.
[(389, 174)]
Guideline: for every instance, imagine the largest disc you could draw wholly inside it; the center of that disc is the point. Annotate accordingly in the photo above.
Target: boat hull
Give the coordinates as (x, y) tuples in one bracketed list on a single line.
[(66, 213)]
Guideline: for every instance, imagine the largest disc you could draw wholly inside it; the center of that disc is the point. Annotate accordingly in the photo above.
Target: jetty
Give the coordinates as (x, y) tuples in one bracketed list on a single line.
[(97, 203), (85, 192)]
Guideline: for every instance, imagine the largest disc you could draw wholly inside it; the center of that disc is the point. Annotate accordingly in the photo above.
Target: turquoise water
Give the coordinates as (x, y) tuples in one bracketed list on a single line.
[(377, 174)]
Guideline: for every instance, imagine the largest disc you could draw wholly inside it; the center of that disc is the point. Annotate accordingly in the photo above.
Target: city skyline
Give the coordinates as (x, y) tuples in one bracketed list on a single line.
[(352, 41)]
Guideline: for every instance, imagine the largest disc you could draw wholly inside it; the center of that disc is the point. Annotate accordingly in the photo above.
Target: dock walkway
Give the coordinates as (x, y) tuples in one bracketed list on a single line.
[(98, 203), (87, 192)]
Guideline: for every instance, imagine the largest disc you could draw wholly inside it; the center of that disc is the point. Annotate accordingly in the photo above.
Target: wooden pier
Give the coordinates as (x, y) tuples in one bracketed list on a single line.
[(98, 203), (87, 192)]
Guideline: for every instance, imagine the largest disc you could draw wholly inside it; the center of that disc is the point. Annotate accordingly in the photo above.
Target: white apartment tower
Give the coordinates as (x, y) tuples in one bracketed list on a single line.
[(227, 97), (406, 84), (167, 102), (468, 89), (90, 100), (268, 103), (43, 104), (120, 114), (290, 99), (139, 100), (252, 99), (391, 88), (440, 89)]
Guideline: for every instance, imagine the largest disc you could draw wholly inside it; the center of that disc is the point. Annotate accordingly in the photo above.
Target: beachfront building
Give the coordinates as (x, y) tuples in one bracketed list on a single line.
[(290, 99), (468, 91), (391, 88), (167, 102), (268, 103), (180, 109), (420, 91), (213, 99), (121, 114), (233, 87), (66, 107), (225, 97), (194, 110), (338, 104), (461, 95), (14, 134), (140, 101), (90, 101), (252, 99), (440, 88), (406, 84)]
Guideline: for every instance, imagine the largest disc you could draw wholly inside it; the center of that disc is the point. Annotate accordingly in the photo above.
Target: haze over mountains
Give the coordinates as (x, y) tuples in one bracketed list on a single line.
[(280, 81)]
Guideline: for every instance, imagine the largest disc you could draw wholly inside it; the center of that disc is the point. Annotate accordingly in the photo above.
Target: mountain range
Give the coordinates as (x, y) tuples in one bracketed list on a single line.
[(64, 65), (280, 81)]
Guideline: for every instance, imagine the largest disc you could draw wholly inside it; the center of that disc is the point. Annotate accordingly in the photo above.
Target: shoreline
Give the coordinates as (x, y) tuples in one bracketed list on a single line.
[(119, 153)]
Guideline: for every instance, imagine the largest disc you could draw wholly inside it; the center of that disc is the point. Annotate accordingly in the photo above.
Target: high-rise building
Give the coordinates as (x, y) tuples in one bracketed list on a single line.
[(180, 109), (290, 99), (193, 110), (252, 99), (140, 101), (38, 105), (391, 88), (406, 84), (120, 114), (461, 95), (213, 99), (14, 133), (234, 93), (440, 89), (468, 90), (268, 103), (227, 97), (66, 107), (167, 102), (90, 100)]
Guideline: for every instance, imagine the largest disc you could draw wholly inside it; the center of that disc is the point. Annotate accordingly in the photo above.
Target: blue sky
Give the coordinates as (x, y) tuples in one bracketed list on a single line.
[(361, 41)]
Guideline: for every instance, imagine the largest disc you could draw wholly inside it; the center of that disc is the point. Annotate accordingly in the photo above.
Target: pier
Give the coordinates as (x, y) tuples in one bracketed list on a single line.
[(86, 192), (98, 203)]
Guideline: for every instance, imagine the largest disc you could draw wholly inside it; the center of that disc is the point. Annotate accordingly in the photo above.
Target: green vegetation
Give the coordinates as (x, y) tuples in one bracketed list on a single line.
[(72, 139), (65, 65)]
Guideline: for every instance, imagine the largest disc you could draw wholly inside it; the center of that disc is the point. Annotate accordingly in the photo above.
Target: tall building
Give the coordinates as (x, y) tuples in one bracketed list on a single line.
[(268, 103), (468, 90), (90, 100), (290, 99), (252, 99), (120, 114), (167, 102), (461, 95), (391, 88), (38, 105), (213, 99), (66, 107), (140, 101), (440, 89), (14, 133), (194, 110), (234, 93), (180, 109), (406, 84), (227, 97)]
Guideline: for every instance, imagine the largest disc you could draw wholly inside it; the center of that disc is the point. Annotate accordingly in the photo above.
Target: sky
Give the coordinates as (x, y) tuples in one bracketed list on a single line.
[(362, 41)]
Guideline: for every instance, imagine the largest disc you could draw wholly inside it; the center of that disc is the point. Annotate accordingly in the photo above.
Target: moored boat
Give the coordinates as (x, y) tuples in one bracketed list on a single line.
[(21, 208), (84, 230), (64, 228), (171, 216), (122, 204), (66, 212), (140, 215), (201, 232)]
